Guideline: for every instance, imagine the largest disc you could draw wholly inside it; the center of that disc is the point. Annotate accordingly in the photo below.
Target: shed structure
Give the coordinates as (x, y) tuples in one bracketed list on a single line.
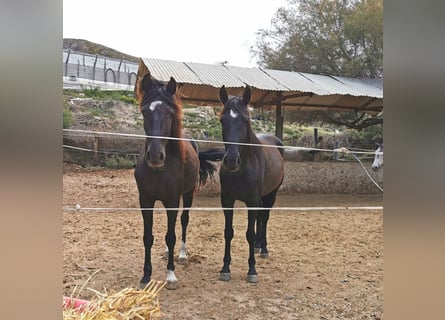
[(199, 84)]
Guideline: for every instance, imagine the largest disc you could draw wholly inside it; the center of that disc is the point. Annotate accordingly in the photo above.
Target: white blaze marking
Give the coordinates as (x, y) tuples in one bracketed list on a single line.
[(171, 276), (233, 114), (154, 104)]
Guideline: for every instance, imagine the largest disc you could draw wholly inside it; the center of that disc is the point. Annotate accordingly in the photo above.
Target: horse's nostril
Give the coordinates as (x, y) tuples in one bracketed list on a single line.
[(161, 156)]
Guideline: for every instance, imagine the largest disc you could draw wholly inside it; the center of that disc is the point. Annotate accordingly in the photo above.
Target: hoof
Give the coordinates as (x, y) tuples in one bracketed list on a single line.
[(224, 276), (264, 255), (252, 278), (142, 285), (182, 260), (172, 285)]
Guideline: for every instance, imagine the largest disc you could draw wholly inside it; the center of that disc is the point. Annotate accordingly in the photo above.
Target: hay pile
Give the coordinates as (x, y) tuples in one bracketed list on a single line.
[(127, 304)]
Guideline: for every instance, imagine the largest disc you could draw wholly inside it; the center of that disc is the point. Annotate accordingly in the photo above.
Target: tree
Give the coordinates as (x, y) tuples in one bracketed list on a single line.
[(341, 38)]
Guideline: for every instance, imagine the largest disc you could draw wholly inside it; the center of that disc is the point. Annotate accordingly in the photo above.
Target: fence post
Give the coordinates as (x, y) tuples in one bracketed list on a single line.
[(279, 118), (335, 153), (95, 147), (315, 137)]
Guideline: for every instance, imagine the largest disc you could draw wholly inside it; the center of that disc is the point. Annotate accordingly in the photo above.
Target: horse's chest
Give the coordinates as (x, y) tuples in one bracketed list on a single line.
[(160, 184), (240, 185)]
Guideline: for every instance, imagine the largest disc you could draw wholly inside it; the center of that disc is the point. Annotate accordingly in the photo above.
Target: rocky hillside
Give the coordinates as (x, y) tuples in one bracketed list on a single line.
[(86, 46)]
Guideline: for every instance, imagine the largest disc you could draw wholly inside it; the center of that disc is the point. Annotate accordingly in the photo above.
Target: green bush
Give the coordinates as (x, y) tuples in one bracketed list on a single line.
[(67, 118), (120, 162), (116, 95)]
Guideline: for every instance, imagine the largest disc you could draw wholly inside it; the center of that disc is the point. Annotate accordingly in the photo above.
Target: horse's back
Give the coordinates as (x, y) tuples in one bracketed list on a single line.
[(274, 162), (271, 140)]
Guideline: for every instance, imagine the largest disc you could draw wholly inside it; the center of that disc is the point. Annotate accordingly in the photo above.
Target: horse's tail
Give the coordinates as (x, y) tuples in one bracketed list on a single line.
[(206, 168)]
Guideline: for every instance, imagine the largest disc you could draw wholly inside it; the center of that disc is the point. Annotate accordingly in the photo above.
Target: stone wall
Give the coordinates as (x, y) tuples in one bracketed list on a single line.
[(326, 177)]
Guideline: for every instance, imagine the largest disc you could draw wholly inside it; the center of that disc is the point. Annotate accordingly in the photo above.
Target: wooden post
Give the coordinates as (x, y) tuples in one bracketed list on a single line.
[(95, 148), (315, 137), (279, 118)]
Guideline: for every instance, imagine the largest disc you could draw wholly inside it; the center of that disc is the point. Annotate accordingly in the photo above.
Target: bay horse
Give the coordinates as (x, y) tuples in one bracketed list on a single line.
[(251, 174), (166, 169), (378, 158)]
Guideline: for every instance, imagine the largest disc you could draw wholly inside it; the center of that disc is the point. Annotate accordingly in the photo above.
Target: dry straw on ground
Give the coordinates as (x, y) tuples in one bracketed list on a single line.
[(127, 304)]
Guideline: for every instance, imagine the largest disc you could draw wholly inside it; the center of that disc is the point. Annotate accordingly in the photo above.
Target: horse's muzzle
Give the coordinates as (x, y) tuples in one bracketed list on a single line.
[(231, 163), (155, 159)]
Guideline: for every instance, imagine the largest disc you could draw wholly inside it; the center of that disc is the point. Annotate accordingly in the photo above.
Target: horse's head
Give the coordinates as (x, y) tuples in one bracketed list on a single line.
[(378, 159), (159, 110), (235, 122)]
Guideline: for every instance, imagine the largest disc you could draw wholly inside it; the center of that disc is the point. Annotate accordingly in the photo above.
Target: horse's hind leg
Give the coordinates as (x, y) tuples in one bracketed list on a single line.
[(187, 200), (252, 275), (257, 235), (263, 216)]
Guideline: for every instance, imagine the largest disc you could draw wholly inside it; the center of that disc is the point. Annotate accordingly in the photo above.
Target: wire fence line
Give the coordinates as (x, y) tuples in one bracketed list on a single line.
[(88, 133), (108, 209)]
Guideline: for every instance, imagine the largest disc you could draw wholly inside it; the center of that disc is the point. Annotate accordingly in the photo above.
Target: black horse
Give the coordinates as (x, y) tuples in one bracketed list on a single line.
[(166, 168), (251, 174)]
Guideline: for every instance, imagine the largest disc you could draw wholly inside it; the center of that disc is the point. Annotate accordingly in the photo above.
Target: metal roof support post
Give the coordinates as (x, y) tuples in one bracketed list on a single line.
[(119, 71), (94, 67), (66, 63), (279, 118)]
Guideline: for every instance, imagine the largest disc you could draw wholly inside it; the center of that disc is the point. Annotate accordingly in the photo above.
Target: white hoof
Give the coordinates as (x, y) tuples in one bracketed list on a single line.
[(182, 260), (172, 285), (252, 278), (224, 276), (172, 282)]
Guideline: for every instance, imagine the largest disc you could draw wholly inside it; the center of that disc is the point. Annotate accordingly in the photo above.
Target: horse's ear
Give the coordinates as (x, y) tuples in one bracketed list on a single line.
[(171, 86), (223, 95), (247, 95), (146, 82)]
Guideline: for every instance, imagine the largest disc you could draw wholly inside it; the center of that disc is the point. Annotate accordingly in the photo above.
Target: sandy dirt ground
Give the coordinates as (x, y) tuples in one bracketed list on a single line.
[(324, 264)]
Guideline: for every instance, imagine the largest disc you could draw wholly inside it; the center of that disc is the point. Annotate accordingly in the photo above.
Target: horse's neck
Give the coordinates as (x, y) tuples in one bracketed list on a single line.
[(248, 150)]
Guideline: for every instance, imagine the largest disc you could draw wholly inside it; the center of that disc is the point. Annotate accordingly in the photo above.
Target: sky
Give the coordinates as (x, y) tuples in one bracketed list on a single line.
[(188, 30)]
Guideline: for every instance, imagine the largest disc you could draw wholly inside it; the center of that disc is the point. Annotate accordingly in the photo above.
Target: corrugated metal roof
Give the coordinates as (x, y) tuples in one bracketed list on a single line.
[(201, 83), (256, 78), (294, 81), (331, 85), (215, 75), (267, 79), (164, 69), (365, 87)]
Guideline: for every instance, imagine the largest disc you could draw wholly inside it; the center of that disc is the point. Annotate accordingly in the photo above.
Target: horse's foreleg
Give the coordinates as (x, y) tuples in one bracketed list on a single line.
[(147, 216), (228, 236), (170, 240), (250, 236)]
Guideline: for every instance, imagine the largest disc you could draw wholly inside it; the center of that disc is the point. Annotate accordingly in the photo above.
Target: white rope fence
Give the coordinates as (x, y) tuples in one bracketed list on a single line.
[(140, 136), (79, 208)]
